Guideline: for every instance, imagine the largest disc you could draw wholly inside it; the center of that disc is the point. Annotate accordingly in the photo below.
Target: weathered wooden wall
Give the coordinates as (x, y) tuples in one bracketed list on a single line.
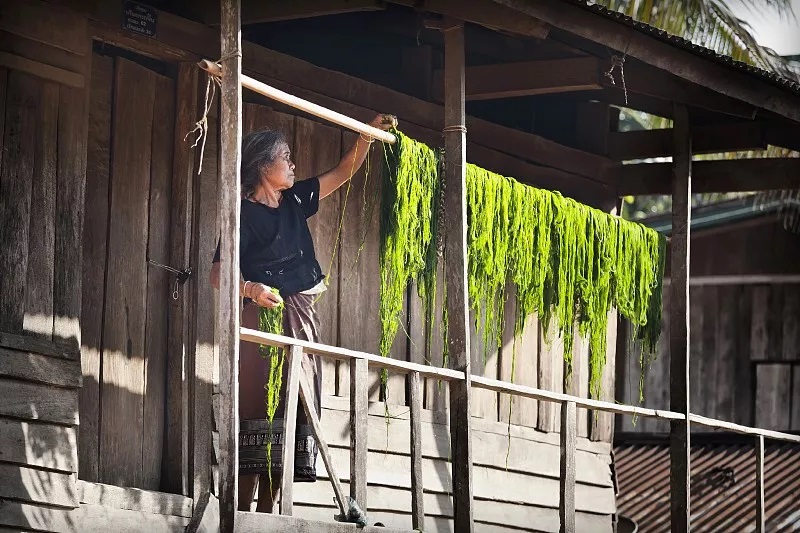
[(128, 204), (43, 75), (745, 338)]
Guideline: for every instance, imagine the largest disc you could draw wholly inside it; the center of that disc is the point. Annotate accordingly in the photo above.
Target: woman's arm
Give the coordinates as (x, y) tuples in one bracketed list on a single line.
[(353, 159), (258, 292)]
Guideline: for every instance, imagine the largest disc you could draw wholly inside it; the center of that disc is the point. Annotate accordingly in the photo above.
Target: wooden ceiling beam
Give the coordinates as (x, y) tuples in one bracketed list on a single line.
[(625, 39), (527, 78), (649, 81), (482, 12), (258, 11), (643, 144), (733, 175)]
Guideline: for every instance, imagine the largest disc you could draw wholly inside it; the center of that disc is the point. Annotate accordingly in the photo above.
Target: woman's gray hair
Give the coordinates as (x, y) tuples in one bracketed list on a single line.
[(259, 149)]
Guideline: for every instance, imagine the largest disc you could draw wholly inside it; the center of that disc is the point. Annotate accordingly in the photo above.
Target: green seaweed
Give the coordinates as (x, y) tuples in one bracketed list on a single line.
[(270, 320), (567, 262)]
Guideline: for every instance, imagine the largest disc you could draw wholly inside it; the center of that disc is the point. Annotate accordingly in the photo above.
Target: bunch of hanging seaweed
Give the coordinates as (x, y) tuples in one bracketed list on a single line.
[(567, 262), (271, 321)]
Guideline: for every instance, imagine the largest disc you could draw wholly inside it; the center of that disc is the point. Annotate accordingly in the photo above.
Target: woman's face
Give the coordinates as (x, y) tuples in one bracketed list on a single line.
[(279, 174)]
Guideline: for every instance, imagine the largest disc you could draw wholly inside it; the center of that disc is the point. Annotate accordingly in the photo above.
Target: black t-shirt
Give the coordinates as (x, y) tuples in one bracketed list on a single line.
[(275, 243)]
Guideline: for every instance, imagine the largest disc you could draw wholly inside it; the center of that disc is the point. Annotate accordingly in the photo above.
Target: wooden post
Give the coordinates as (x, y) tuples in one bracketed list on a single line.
[(679, 444), (566, 504), (295, 361), (761, 511), (359, 380), (415, 403), (229, 302), (455, 231)]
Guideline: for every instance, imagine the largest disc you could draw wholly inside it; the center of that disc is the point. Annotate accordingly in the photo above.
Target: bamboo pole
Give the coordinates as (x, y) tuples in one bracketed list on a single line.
[(303, 105)]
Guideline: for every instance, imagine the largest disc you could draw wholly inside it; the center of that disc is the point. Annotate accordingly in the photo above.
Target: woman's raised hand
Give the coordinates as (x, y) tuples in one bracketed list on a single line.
[(384, 122)]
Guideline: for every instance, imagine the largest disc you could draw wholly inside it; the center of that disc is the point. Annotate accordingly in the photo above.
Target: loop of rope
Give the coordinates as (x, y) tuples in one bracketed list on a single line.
[(459, 127), (201, 126)]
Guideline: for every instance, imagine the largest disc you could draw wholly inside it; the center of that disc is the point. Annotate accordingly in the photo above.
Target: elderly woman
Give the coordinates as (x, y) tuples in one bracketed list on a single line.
[(276, 250)]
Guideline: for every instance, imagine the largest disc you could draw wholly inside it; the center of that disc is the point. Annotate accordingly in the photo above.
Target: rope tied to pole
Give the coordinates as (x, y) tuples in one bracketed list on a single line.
[(201, 126), (457, 127)]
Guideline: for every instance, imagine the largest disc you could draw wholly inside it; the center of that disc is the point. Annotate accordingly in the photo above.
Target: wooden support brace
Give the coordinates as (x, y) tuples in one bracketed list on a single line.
[(306, 395), (359, 380), (415, 402), (761, 512), (566, 506), (295, 356)]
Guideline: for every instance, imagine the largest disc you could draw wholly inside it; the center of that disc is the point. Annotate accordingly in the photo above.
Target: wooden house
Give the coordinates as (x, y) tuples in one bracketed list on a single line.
[(114, 370)]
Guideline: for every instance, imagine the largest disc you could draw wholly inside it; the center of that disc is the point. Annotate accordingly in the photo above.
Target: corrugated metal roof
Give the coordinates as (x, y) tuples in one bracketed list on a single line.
[(723, 485), (702, 51)]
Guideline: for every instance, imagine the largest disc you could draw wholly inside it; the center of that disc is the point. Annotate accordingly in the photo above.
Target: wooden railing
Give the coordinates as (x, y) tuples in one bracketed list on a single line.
[(359, 364)]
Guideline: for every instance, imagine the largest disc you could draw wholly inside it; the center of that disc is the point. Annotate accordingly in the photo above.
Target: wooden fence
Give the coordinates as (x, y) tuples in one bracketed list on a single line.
[(359, 363)]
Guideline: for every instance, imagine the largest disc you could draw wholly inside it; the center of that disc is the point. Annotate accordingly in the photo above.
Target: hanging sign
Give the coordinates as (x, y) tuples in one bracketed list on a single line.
[(139, 18)]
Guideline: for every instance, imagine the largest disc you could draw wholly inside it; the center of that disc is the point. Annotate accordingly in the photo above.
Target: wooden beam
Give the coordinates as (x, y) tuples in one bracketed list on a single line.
[(731, 175), (458, 341), (295, 360), (507, 80), (619, 36), (679, 446), (257, 11), (761, 510), (359, 382), (484, 13), (415, 405), (649, 81), (643, 144), (229, 301), (566, 504)]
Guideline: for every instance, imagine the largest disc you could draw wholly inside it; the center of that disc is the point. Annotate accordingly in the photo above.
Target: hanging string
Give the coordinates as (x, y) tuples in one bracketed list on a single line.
[(618, 62), (201, 126)]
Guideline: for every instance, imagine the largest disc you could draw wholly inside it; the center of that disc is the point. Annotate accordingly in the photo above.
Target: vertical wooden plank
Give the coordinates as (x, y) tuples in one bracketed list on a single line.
[(3, 110), (437, 392), (773, 396), (318, 149), (201, 314), (178, 310), (122, 419), (578, 383), (229, 301), (679, 320), (697, 359), (417, 342), (761, 512), (359, 283), (519, 357), (95, 234), (795, 407), (602, 423), (759, 340), (38, 319), (415, 403), (295, 359), (791, 323), (743, 399), (359, 375), (455, 232), (727, 325), (483, 362), (566, 504), (704, 403), (160, 284), (551, 375), (72, 135), (775, 321), (15, 195)]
